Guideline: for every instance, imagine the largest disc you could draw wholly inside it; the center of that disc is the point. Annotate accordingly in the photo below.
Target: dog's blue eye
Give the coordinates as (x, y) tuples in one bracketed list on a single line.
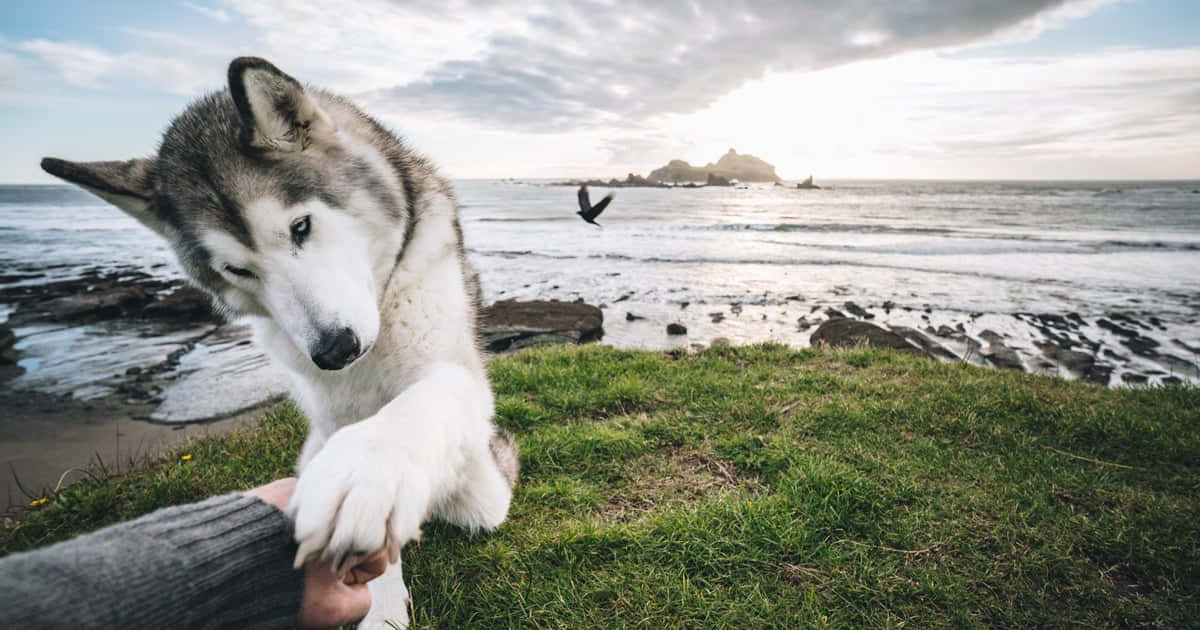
[(300, 230), (239, 272)]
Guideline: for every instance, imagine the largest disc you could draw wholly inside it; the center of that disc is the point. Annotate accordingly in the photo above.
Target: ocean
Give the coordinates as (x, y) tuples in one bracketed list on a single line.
[(1115, 260)]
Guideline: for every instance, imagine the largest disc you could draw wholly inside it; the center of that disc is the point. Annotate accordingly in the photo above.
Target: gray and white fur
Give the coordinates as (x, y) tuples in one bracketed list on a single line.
[(342, 248)]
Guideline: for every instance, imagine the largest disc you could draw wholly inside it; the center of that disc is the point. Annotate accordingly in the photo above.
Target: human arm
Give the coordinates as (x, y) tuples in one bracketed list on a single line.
[(223, 562)]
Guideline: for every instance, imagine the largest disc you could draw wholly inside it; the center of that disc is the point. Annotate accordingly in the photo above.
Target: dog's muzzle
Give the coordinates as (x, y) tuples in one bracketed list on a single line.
[(335, 350)]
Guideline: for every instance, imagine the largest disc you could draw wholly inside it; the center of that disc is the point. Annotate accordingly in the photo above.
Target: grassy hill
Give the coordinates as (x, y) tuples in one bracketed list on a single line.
[(767, 487)]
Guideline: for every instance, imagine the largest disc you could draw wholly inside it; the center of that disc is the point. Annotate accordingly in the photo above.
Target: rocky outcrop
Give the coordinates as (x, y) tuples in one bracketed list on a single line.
[(510, 325), (732, 165), (848, 333), (678, 171), (103, 295), (108, 303), (185, 304), (715, 180), (630, 181)]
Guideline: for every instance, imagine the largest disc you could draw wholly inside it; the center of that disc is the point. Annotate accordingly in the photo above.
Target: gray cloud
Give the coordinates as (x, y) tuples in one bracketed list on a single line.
[(622, 62)]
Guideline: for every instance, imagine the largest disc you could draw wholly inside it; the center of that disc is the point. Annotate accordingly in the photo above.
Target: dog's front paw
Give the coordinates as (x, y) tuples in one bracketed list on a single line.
[(356, 496)]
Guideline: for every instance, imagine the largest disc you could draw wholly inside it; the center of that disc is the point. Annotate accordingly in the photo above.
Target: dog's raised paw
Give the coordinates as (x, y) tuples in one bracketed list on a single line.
[(352, 499)]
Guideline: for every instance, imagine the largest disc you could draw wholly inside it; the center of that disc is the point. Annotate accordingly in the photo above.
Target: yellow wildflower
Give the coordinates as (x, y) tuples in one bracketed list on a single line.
[(186, 457)]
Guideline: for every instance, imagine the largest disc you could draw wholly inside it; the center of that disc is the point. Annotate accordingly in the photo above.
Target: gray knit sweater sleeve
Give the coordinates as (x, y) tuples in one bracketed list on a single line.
[(222, 563)]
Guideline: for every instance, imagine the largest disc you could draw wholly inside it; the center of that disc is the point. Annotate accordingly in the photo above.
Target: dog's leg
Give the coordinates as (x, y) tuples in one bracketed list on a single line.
[(485, 487), (374, 482), (389, 601), (312, 445)]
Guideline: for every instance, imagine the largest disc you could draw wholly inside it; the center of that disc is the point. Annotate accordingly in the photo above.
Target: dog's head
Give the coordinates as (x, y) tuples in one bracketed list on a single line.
[(277, 202)]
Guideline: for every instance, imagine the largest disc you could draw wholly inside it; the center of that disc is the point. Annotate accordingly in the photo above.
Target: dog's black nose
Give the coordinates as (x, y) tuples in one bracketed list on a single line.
[(336, 349)]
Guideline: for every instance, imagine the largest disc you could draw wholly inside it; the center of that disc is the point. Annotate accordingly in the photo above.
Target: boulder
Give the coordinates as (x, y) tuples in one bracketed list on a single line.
[(857, 311), (999, 354), (511, 325), (8, 339), (847, 333), (1079, 363), (676, 329), (918, 339), (1142, 346)]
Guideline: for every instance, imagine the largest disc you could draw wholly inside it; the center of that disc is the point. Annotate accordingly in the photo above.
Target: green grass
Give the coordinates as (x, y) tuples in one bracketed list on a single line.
[(765, 487)]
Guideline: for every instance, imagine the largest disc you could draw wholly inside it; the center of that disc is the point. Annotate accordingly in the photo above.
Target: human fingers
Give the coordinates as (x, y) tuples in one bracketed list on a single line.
[(368, 568)]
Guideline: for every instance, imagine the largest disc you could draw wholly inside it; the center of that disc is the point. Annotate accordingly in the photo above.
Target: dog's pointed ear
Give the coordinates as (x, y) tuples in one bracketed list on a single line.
[(128, 185), (277, 113)]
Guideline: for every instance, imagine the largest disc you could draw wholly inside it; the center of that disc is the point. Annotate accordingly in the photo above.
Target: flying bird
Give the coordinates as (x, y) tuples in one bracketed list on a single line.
[(589, 212)]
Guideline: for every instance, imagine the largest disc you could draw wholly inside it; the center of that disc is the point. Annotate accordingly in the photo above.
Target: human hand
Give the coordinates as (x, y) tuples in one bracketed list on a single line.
[(330, 598)]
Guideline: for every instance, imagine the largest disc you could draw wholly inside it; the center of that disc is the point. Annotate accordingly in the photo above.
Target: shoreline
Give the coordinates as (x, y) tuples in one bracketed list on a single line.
[(154, 341), (166, 353)]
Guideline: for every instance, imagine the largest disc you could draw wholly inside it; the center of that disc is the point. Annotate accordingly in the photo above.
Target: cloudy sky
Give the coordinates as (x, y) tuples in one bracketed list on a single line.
[(1091, 89)]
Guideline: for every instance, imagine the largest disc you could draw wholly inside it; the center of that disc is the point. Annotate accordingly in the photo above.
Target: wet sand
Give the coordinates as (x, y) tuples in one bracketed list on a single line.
[(48, 441)]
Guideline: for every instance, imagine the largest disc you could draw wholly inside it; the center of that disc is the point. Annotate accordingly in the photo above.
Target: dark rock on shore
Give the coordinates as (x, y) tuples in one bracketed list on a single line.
[(676, 329), (8, 354), (999, 354), (857, 311), (1082, 364), (184, 304), (931, 347), (1115, 329), (845, 333), (947, 332), (630, 317), (511, 325), (1141, 346), (115, 302), (103, 295)]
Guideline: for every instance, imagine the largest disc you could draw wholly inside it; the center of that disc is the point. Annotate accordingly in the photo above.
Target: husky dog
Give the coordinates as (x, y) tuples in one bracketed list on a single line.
[(342, 247)]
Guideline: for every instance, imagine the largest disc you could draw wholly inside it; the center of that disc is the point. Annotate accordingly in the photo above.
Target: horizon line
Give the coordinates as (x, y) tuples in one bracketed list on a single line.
[(827, 179)]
